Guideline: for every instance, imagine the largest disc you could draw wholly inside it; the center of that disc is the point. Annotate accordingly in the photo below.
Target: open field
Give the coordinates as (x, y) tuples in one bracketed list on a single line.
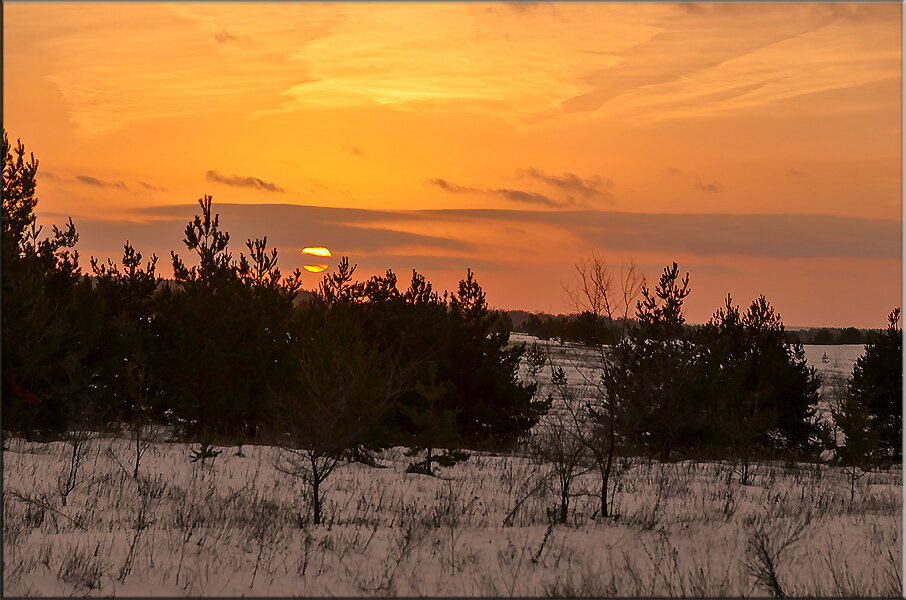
[(237, 526)]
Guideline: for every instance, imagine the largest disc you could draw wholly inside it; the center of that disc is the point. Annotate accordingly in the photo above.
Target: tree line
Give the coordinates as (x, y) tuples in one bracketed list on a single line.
[(732, 389), (226, 349), (582, 328)]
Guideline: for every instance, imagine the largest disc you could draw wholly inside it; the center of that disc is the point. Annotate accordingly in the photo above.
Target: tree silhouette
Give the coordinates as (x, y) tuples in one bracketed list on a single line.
[(659, 365), (877, 384)]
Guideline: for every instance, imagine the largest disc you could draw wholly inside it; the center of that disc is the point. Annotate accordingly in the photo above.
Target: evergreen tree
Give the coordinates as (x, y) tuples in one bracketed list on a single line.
[(343, 385), (221, 331), (496, 408), (861, 449), (46, 315), (760, 393), (659, 406), (877, 384)]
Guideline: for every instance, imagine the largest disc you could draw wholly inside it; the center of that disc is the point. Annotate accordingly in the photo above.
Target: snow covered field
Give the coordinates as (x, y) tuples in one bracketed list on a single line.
[(237, 526)]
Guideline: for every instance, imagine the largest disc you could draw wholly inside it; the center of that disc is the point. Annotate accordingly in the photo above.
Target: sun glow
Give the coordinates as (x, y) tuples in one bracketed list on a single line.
[(316, 251), (319, 251)]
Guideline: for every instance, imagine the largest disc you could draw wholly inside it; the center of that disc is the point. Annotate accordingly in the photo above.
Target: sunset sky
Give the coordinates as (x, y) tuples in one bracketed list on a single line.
[(759, 146)]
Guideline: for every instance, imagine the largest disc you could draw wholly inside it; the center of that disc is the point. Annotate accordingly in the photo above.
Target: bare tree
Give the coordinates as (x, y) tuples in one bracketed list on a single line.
[(343, 387), (596, 422), (560, 441)]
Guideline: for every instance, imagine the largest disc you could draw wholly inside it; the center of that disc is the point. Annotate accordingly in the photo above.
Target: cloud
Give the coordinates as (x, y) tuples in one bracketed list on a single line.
[(353, 150), (696, 181), (95, 182), (595, 187), (777, 235), (532, 198), (238, 181), (510, 194), (152, 188), (714, 186), (453, 187), (225, 36), (756, 235), (89, 180), (357, 233)]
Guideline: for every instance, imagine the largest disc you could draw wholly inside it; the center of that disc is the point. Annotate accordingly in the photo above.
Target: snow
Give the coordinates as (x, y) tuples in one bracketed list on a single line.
[(238, 527)]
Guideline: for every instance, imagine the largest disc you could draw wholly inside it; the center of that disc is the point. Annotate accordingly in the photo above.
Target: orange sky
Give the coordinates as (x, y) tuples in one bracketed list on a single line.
[(757, 145)]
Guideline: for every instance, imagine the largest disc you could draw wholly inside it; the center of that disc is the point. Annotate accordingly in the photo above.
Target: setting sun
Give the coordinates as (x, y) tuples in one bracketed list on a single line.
[(319, 251)]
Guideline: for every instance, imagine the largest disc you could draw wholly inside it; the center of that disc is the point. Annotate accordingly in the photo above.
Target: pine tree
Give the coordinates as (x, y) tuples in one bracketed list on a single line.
[(760, 393), (482, 372), (47, 317), (877, 384), (221, 331), (658, 361), (861, 449)]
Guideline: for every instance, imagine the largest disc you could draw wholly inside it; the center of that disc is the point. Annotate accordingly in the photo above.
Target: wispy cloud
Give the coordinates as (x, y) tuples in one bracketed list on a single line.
[(89, 180), (594, 187), (225, 36), (515, 195), (532, 198), (92, 181), (454, 187), (713, 187), (240, 181), (355, 151), (153, 188)]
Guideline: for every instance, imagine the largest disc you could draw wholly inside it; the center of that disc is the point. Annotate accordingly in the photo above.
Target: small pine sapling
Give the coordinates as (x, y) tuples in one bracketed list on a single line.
[(205, 450)]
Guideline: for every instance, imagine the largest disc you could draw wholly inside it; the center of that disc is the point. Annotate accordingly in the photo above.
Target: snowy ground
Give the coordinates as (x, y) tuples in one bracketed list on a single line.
[(240, 527)]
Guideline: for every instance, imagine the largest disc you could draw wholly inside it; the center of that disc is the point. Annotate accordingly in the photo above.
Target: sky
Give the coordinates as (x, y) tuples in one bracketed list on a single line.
[(757, 145)]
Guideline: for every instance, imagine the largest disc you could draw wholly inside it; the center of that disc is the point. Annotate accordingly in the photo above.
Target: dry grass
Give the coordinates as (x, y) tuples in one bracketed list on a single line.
[(237, 527)]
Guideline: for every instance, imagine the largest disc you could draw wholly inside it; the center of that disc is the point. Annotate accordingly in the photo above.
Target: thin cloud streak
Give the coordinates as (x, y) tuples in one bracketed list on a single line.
[(594, 187), (355, 151), (713, 187), (89, 180), (521, 196), (240, 181)]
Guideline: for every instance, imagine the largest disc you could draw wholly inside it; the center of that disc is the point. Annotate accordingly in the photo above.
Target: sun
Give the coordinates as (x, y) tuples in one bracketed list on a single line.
[(315, 251)]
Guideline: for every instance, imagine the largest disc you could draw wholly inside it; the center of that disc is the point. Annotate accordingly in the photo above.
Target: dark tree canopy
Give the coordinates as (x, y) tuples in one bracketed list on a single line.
[(761, 394), (877, 384)]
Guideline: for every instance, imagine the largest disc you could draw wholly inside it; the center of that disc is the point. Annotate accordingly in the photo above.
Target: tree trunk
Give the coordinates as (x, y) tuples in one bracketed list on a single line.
[(605, 476), (316, 500), (564, 506), (852, 485)]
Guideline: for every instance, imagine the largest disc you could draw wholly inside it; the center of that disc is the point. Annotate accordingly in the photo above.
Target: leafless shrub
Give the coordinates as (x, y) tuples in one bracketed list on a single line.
[(78, 449), (557, 443), (80, 568), (648, 515), (149, 493), (588, 584), (768, 546), (348, 387), (16, 523), (42, 504), (406, 540), (523, 480), (610, 303)]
